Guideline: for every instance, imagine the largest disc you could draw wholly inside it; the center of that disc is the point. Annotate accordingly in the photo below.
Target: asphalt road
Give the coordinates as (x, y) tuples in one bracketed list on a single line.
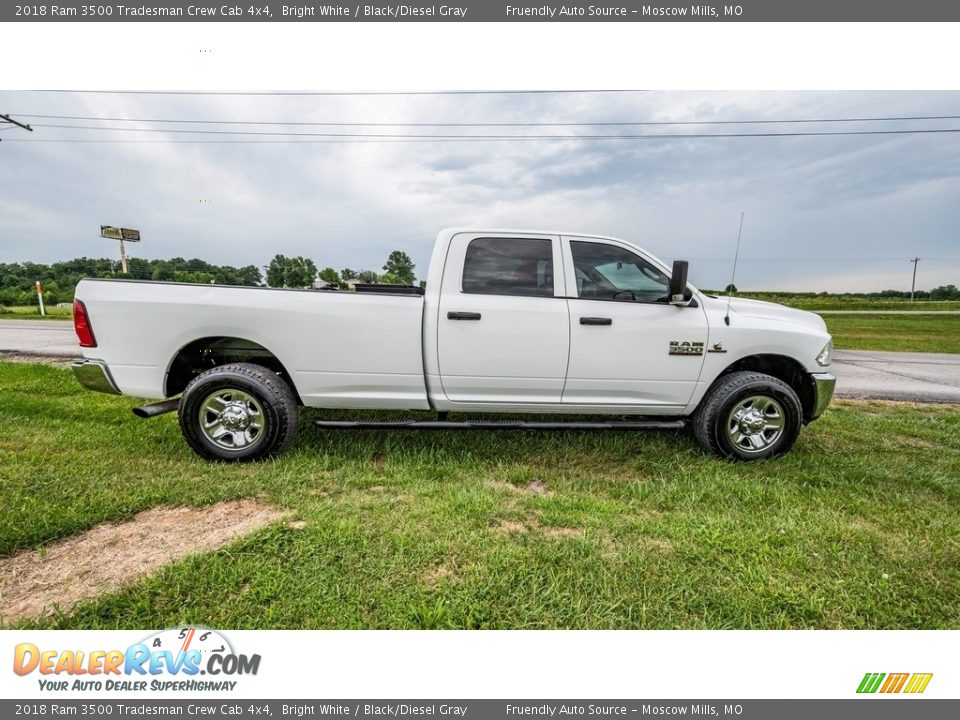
[(38, 337), (921, 377)]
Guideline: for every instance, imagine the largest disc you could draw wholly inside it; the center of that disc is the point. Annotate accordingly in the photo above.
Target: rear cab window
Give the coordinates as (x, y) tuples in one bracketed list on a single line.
[(509, 266)]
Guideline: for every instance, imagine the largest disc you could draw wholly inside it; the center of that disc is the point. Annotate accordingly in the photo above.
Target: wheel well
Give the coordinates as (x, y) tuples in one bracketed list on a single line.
[(205, 353), (786, 369)]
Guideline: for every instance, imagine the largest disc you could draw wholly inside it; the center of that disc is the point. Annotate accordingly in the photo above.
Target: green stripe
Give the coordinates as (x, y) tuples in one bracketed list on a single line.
[(863, 683), (876, 684), (871, 682)]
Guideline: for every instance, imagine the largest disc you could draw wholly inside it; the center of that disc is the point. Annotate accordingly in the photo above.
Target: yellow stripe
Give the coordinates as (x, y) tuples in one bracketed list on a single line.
[(926, 677)]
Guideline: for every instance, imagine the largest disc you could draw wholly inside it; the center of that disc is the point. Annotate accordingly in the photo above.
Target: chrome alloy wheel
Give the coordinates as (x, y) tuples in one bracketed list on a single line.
[(755, 423), (231, 419)]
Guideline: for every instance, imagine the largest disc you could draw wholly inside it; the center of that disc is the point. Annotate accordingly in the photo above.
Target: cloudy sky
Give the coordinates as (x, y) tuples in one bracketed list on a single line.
[(828, 213)]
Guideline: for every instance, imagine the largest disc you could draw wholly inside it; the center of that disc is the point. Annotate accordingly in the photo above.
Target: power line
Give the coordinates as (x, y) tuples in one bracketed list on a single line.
[(362, 93), (627, 123), (14, 123), (405, 136)]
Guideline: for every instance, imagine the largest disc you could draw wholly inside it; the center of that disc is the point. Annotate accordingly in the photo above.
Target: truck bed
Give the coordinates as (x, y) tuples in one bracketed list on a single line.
[(341, 349)]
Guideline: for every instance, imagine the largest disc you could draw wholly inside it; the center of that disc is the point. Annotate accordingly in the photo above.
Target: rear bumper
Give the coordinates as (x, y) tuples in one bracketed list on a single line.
[(823, 385), (94, 375)]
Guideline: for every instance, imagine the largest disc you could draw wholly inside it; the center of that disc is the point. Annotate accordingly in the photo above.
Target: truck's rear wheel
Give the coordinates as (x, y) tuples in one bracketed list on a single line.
[(237, 413), (748, 416)]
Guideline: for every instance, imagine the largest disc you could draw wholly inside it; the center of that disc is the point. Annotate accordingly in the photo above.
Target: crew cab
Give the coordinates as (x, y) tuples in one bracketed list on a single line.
[(539, 323)]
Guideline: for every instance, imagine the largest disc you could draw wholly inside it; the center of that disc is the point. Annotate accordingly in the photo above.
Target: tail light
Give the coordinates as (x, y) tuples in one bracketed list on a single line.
[(81, 323)]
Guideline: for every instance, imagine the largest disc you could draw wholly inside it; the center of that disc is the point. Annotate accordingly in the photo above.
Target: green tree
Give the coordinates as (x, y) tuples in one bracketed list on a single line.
[(329, 275), (188, 276), (250, 275), (731, 288), (277, 271), (945, 292), (348, 274), (401, 267), (301, 272), (368, 276)]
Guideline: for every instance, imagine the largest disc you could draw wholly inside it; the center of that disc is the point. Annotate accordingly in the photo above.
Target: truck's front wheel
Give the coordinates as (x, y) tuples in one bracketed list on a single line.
[(748, 416), (237, 413)]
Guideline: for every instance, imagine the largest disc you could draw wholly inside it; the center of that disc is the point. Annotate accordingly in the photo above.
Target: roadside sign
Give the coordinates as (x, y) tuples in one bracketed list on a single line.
[(118, 233), (123, 235)]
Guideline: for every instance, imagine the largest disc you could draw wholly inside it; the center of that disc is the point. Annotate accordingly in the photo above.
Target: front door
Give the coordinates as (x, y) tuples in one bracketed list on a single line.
[(503, 328), (628, 346)]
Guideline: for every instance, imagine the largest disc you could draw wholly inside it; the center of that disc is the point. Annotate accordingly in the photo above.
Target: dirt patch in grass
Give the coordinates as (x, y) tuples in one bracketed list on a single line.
[(563, 532), (536, 487), (33, 359), (532, 525), (445, 573), (111, 555), (658, 544), (511, 527)]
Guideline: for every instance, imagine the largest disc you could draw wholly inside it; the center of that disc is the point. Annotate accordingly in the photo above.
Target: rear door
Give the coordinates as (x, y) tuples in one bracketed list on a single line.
[(628, 346), (503, 330)]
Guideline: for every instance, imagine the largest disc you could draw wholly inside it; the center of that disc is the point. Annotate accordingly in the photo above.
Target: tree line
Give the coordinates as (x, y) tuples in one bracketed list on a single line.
[(302, 272), (59, 280)]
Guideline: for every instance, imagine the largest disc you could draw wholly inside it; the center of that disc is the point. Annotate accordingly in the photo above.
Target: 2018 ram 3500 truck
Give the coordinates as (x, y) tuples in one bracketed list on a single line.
[(510, 322)]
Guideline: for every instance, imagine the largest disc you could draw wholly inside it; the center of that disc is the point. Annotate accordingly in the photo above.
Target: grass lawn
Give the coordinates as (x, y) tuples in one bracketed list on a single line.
[(905, 333), (32, 312), (858, 527)]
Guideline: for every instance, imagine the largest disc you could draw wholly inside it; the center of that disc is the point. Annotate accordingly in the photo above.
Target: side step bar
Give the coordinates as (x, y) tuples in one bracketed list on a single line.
[(496, 425)]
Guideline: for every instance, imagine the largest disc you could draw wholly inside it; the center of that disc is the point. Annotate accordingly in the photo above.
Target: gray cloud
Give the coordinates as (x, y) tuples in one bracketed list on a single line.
[(822, 213)]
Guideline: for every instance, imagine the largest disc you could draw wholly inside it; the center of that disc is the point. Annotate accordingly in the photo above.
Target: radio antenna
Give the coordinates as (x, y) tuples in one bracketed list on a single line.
[(733, 275)]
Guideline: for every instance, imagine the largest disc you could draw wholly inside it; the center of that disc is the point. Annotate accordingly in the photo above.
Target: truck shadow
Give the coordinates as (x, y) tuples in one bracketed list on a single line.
[(486, 445)]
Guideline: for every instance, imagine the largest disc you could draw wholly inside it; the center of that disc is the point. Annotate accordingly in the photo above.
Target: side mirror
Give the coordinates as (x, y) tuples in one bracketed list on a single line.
[(678, 283)]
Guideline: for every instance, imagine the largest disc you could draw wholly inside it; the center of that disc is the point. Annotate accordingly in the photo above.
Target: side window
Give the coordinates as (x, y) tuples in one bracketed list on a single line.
[(609, 272), (509, 266)]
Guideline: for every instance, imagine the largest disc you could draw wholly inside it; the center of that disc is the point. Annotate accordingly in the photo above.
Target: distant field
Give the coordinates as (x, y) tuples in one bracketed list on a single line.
[(858, 527), (32, 312), (896, 333), (840, 302)]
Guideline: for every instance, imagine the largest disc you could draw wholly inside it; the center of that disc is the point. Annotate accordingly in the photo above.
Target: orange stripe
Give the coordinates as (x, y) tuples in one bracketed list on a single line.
[(186, 642), (903, 679)]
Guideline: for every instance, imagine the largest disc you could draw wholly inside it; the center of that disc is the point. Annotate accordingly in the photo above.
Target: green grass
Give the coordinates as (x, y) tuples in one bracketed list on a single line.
[(905, 333), (858, 527), (32, 312)]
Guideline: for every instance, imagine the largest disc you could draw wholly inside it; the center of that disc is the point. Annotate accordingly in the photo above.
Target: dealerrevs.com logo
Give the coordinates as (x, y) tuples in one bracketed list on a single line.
[(179, 659), (888, 683)]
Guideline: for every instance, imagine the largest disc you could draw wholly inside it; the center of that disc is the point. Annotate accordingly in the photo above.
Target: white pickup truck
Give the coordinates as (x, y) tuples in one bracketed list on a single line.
[(526, 322)]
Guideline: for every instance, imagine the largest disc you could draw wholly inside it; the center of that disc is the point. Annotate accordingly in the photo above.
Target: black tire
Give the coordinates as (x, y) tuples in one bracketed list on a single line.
[(255, 410), (735, 406)]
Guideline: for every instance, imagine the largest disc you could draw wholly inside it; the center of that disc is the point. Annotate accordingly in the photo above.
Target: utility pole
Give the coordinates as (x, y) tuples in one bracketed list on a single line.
[(7, 118), (913, 284)]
